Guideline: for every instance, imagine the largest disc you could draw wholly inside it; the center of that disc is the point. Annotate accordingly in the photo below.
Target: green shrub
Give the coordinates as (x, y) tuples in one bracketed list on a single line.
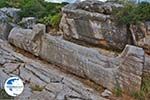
[(132, 13), (37, 88), (4, 95), (144, 94), (55, 20), (47, 13), (118, 91), (46, 20), (32, 8), (138, 95), (3, 3), (52, 21)]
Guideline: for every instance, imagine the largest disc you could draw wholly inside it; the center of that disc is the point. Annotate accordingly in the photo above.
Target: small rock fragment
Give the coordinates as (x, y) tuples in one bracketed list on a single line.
[(106, 93)]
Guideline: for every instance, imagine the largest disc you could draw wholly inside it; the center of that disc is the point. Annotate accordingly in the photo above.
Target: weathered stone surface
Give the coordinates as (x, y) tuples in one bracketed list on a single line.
[(131, 68), (11, 67), (5, 28), (85, 92), (98, 6), (125, 70), (8, 16), (143, 30), (11, 12), (3, 78), (43, 95), (148, 27), (33, 72), (147, 65), (106, 93), (91, 22), (28, 22), (87, 62), (27, 39), (30, 77), (27, 93)]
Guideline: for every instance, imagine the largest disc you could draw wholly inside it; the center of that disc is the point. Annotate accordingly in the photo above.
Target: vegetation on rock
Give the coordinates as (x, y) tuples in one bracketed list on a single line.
[(51, 20), (133, 13), (4, 95), (144, 94), (37, 88), (47, 13)]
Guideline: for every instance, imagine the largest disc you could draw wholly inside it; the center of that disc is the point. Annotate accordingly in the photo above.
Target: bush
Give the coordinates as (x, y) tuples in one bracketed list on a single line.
[(144, 94), (32, 8), (46, 20), (3, 3), (52, 21), (4, 95), (40, 9), (37, 88), (133, 13), (55, 20)]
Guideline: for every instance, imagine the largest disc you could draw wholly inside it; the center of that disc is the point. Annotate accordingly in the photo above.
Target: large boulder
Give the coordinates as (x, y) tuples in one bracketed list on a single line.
[(92, 22), (42, 81), (143, 31), (123, 71), (11, 12), (8, 18), (27, 39), (111, 72)]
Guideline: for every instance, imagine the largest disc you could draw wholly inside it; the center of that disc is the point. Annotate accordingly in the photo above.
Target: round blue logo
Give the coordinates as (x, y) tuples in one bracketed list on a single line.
[(14, 86)]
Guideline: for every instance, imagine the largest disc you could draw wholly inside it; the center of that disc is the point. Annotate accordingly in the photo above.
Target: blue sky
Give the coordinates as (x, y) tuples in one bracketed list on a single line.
[(71, 1)]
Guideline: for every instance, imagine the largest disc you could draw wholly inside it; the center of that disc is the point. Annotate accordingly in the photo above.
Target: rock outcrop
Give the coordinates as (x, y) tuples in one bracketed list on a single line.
[(144, 41), (92, 22), (125, 70), (41, 80), (147, 65), (8, 18), (28, 39), (28, 22), (11, 12)]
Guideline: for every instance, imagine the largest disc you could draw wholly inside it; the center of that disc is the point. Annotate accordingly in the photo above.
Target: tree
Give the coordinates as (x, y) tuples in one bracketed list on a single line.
[(133, 14), (47, 13)]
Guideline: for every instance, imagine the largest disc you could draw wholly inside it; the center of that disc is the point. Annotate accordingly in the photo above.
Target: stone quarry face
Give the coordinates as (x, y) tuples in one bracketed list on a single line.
[(53, 84), (91, 22), (125, 70)]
